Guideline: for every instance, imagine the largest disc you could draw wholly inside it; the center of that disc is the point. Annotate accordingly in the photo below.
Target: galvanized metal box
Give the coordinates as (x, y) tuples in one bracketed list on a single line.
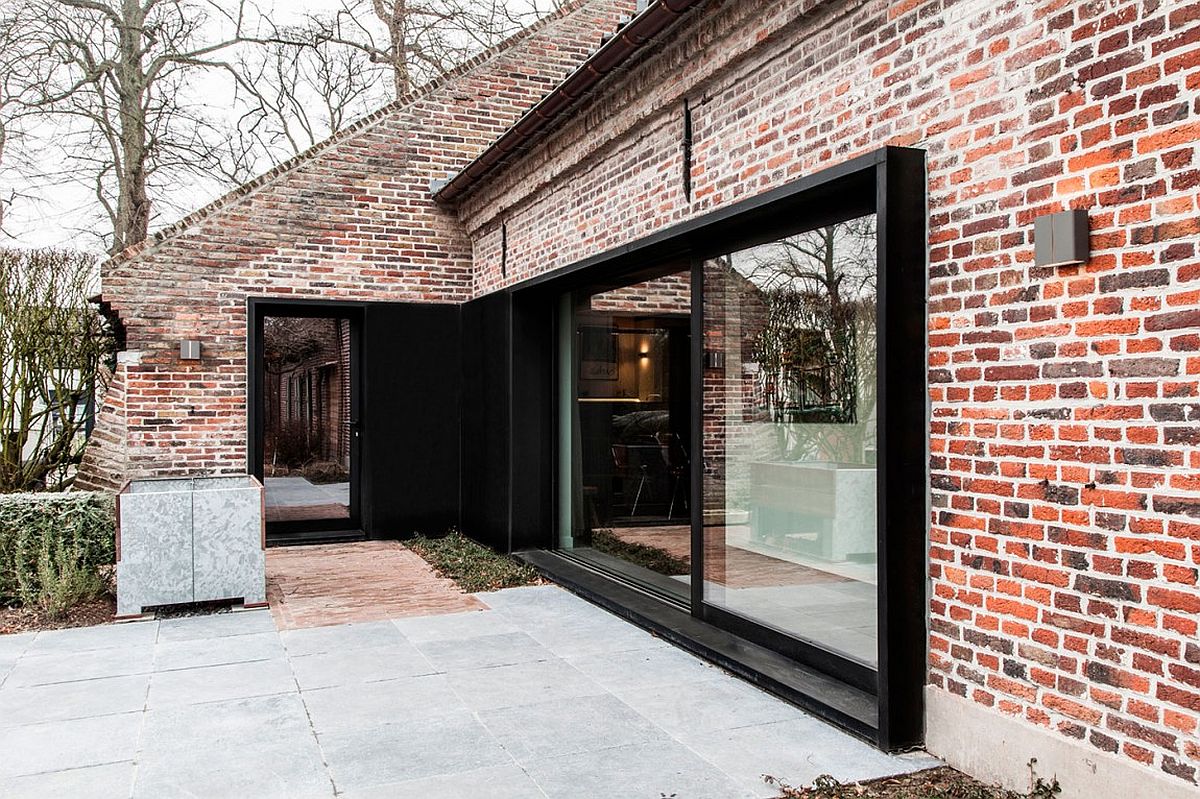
[(183, 540)]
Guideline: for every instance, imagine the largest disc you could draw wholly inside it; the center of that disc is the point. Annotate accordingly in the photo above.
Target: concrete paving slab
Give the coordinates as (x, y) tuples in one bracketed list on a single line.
[(13, 646), (108, 781), (449, 744), (367, 705), (522, 684), (259, 769), (638, 771), (217, 625), (453, 626), (436, 706), (287, 492), (190, 654), (719, 704), (796, 752), (533, 732), (538, 597), (73, 700), (484, 651), (104, 636), (230, 723), (645, 668), (328, 669), (341, 638), (61, 745), (217, 683), (593, 634), (497, 782), (91, 664)]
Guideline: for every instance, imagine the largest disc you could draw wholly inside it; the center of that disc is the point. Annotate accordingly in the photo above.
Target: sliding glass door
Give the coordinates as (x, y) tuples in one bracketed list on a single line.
[(790, 436), (745, 439), (624, 460)]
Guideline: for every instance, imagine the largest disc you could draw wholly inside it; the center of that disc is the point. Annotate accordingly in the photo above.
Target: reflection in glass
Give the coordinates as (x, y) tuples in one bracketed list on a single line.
[(790, 436), (306, 418), (625, 395)]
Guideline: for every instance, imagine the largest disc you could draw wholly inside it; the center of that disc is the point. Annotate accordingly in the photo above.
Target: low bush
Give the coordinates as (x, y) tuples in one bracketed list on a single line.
[(56, 549), (470, 564)]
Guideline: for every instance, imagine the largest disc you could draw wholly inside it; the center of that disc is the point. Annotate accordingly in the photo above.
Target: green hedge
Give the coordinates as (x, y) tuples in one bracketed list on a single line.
[(55, 548)]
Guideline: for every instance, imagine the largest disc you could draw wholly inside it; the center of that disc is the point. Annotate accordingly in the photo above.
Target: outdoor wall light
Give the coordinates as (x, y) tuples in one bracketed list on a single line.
[(1061, 239), (189, 350)]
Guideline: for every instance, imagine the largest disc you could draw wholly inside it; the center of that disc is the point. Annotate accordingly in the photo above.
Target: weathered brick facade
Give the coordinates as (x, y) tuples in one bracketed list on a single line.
[(351, 219), (1065, 403), (1065, 533)]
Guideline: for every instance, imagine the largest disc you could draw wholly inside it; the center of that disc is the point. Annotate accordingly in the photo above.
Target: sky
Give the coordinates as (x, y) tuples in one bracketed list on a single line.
[(55, 210)]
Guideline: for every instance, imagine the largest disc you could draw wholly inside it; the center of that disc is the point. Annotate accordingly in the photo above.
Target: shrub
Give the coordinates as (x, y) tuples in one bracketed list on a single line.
[(470, 564), (56, 549)]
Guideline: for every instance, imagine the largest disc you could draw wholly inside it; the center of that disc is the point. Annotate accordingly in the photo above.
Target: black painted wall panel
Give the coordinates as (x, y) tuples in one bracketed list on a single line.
[(485, 420), (411, 383), (533, 420)]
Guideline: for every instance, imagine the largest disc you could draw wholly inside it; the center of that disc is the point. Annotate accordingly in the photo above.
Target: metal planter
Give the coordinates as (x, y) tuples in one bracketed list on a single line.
[(184, 540)]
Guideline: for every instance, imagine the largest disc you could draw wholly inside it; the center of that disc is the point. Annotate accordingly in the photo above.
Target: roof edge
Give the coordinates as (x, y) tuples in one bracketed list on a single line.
[(630, 40)]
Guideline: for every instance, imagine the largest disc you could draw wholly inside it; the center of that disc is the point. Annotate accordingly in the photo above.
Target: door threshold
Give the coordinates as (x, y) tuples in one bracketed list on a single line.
[(309, 538)]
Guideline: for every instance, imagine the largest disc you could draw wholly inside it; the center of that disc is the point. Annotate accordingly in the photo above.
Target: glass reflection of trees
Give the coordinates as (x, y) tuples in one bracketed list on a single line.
[(815, 343)]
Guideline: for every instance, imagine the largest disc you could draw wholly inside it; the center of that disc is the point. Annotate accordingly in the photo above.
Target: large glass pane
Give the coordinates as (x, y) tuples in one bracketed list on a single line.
[(306, 418), (790, 436), (624, 396)]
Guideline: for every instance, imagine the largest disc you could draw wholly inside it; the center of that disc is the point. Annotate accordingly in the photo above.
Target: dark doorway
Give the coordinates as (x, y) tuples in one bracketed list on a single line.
[(307, 439)]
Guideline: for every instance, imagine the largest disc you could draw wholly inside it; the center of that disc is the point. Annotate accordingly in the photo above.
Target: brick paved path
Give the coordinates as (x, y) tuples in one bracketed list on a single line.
[(315, 586)]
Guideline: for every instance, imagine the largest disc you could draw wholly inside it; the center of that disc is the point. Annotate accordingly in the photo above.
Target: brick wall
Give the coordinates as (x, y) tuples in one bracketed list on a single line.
[(1065, 532), (350, 220)]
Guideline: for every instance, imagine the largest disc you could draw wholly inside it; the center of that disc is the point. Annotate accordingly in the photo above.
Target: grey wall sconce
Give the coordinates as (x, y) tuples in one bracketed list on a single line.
[(1061, 239), (189, 350)]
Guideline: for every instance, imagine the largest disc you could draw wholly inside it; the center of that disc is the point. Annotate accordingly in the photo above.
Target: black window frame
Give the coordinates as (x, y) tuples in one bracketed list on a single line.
[(257, 310)]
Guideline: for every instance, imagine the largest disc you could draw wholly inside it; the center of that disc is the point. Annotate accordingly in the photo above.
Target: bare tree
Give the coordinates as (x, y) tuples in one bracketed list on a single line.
[(13, 45), (53, 346), (116, 95), (304, 88), (417, 40), (319, 75), (114, 74)]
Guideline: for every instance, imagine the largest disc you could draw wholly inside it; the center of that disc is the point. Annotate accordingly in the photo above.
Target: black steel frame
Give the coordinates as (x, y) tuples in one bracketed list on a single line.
[(891, 183), (257, 309)]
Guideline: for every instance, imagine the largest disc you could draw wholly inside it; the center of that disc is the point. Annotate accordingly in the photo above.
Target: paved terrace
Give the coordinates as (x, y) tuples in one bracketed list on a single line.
[(539, 695)]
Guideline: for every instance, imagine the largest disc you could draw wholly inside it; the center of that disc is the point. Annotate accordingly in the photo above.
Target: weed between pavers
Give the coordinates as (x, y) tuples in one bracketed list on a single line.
[(937, 783)]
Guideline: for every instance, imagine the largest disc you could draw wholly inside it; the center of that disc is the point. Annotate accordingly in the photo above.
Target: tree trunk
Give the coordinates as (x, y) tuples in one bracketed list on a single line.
[(133, 204), (393, 14)]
